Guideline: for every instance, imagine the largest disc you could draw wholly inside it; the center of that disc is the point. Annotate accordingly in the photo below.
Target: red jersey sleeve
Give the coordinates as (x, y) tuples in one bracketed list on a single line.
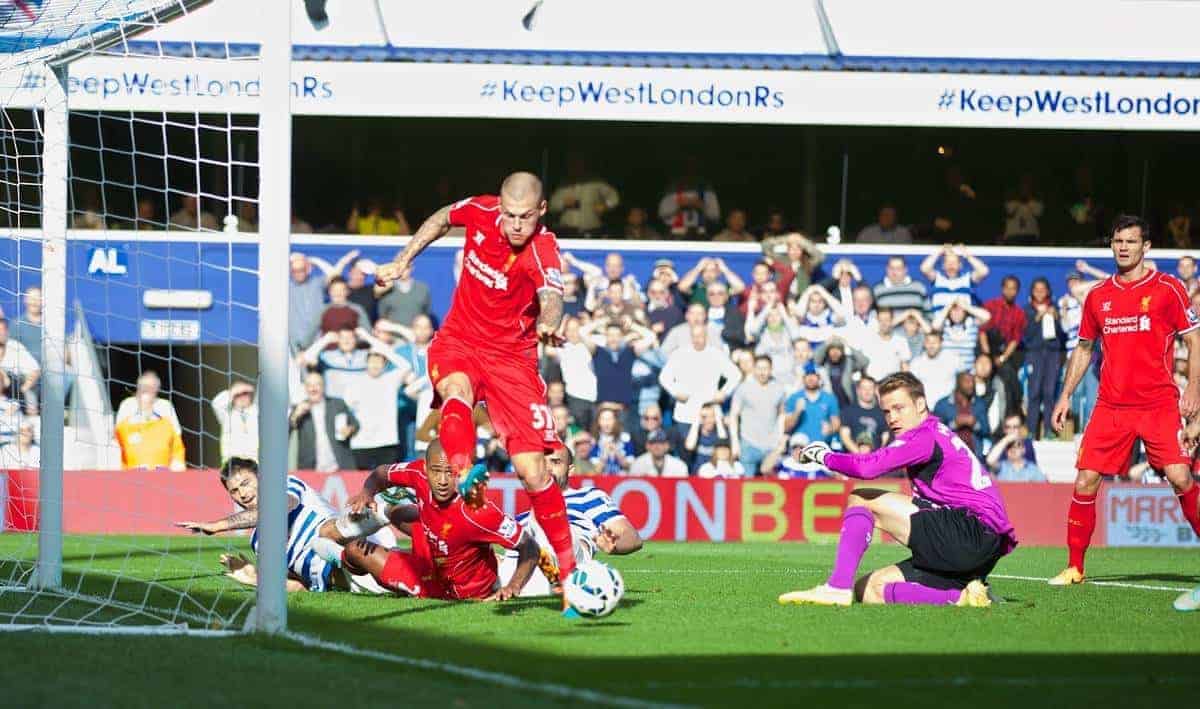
[(546, 265), (466, 211), (1181, 315), (1089, 326), (492, 526), (409, 475)]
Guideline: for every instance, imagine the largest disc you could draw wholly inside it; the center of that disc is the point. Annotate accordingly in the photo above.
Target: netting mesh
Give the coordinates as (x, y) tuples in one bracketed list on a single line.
[(161, 315)]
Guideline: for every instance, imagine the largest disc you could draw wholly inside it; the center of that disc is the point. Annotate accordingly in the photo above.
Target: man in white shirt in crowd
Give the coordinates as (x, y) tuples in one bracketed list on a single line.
[(936, 367), (24, 454), (657, 461), (148, 385), (886, 353), (693, 374), (579, 379), (236, 410), (373, 400), (680, 335)]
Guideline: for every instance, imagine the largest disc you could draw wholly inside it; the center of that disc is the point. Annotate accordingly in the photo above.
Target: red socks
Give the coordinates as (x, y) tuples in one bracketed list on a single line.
[(1081, 522), (550, 511), (1189, 500), (456, 432)]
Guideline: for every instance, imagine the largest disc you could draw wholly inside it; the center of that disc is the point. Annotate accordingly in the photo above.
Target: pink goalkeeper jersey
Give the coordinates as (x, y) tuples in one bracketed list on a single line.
[(942, 470)]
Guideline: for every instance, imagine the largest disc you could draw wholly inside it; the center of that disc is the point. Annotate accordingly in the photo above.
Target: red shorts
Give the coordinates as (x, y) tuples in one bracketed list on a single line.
[(411, 574), (1107, 445), (510, 385)]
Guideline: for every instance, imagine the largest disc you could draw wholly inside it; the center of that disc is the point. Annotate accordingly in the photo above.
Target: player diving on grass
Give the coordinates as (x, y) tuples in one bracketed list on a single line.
[(955, 522), (510, 298), (597, 524), (1135, 315), (310, 517), (451, 557)]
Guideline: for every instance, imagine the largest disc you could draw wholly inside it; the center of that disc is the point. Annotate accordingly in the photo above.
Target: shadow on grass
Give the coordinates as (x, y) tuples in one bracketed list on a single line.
[(1188, 579)]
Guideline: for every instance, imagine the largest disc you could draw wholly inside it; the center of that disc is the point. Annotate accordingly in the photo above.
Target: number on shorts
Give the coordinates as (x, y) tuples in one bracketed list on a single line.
[(542, 418), (980, 480)]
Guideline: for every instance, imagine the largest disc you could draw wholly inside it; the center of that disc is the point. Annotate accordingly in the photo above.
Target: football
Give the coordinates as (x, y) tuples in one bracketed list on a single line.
[(594, 589)]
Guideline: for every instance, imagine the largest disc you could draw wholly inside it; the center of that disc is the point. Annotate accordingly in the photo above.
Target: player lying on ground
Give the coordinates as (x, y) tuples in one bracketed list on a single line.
[(955, 522), (1135, 315), (596, 524), (310, 517), (451, 557), (510, 298)]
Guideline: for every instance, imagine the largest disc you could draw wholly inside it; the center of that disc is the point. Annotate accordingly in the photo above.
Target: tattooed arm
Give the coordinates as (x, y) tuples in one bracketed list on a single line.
[(434, 228), (550, 317), (246, 519)]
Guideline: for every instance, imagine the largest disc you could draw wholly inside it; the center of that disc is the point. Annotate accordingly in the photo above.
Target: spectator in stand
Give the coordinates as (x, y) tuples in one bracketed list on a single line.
[(886, 353), (613, 306), (812, 410), (417, 398), (863, 418), (236, 410), (989, 394), (763, 297), (613, 362), (564, 426), (373, 400), (1015, 427), (777, 225), (1186, 270), (613, 451), (658, 461), (680, 335), (190, 216), (19, 371), (693, 377), (956, 216), (377, 220), (581, 203), (708, 271), (636, 227), (651, 420), (579, 379), (756, 416), (664, 272), (581, 445), (723, 463), (402, 300), (911, 326), (936, 367), (1001, 337), (702, 438), (787, 462), (775, 331), (147, 428), (23, 453), (1179, 227), (862, 306), (1021, 215), (663, 310), (306, 294), (362, 293), (962, 412), (247, 217), (556, 394), (1070, 308), (1044, 341), (839, 369), (958, 321), (597, 280), (762, 278), (816, 316), (728, 318), (27, 329), (952, 281), (885, 230), (795, 260), (844, 280), (324, 426), (1007, 460), (690, 206), (735, 228), (573, 293), (898, 290), (146, 217), (299, 226), (337, 356)]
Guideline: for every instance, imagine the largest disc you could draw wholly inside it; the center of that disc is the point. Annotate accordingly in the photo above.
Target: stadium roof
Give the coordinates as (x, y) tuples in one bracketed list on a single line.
[(1150, 38)]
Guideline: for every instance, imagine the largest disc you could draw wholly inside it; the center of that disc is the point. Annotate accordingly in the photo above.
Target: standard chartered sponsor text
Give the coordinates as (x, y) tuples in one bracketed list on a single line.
[(645, 93), (1057, 101)]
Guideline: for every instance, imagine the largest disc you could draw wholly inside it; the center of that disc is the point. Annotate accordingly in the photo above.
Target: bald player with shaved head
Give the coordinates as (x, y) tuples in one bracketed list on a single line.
[(509, 299)]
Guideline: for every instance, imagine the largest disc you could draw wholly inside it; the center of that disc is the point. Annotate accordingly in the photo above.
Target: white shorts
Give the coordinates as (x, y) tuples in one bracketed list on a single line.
[(539, 585)]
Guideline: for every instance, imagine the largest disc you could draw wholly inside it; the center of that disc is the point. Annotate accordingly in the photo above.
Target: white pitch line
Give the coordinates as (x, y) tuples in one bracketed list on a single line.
[(561, 691), (932, 682), (1113, 584)]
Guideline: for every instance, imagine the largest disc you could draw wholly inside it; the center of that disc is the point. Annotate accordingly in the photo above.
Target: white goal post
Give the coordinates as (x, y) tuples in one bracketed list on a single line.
[(39, 42)]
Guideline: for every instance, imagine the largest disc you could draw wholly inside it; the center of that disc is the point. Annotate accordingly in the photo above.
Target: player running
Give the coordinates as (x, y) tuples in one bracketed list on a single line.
[(955, 523), (310, 517), (596, 523), (1135, 315), (451, 557), (509, 299)]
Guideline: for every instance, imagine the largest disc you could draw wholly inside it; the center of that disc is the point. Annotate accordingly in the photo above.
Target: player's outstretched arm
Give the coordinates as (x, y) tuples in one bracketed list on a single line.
[(378, 481), (1077, 366), (895, 456), (246, 519), (527, 560), (432, 229)]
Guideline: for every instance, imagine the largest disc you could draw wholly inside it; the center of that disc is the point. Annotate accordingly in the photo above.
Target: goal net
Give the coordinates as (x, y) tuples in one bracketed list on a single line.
[(129, 285)]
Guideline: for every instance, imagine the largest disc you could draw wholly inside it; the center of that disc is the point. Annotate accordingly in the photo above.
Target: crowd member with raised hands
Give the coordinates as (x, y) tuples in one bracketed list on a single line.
[(959, 320), (952, 281)]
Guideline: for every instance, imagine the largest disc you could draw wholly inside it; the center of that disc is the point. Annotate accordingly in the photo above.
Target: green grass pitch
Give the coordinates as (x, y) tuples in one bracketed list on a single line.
[(699, 626)]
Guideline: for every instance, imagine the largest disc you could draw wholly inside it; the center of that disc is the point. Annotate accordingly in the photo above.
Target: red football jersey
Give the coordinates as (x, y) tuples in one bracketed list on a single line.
[(1135, 325), (495, 304), (459, 538)]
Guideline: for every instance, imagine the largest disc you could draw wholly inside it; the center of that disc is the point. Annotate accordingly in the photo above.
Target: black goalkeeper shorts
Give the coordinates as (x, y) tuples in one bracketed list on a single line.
[(950, 548)]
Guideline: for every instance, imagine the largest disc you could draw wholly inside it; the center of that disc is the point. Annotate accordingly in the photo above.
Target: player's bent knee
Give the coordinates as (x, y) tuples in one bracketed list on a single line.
[(855, 501), (456, 386), (872, 593), (1087, 482)]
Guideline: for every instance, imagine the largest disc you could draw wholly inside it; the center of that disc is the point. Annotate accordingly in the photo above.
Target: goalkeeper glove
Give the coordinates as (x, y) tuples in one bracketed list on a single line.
[(814, 453)]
